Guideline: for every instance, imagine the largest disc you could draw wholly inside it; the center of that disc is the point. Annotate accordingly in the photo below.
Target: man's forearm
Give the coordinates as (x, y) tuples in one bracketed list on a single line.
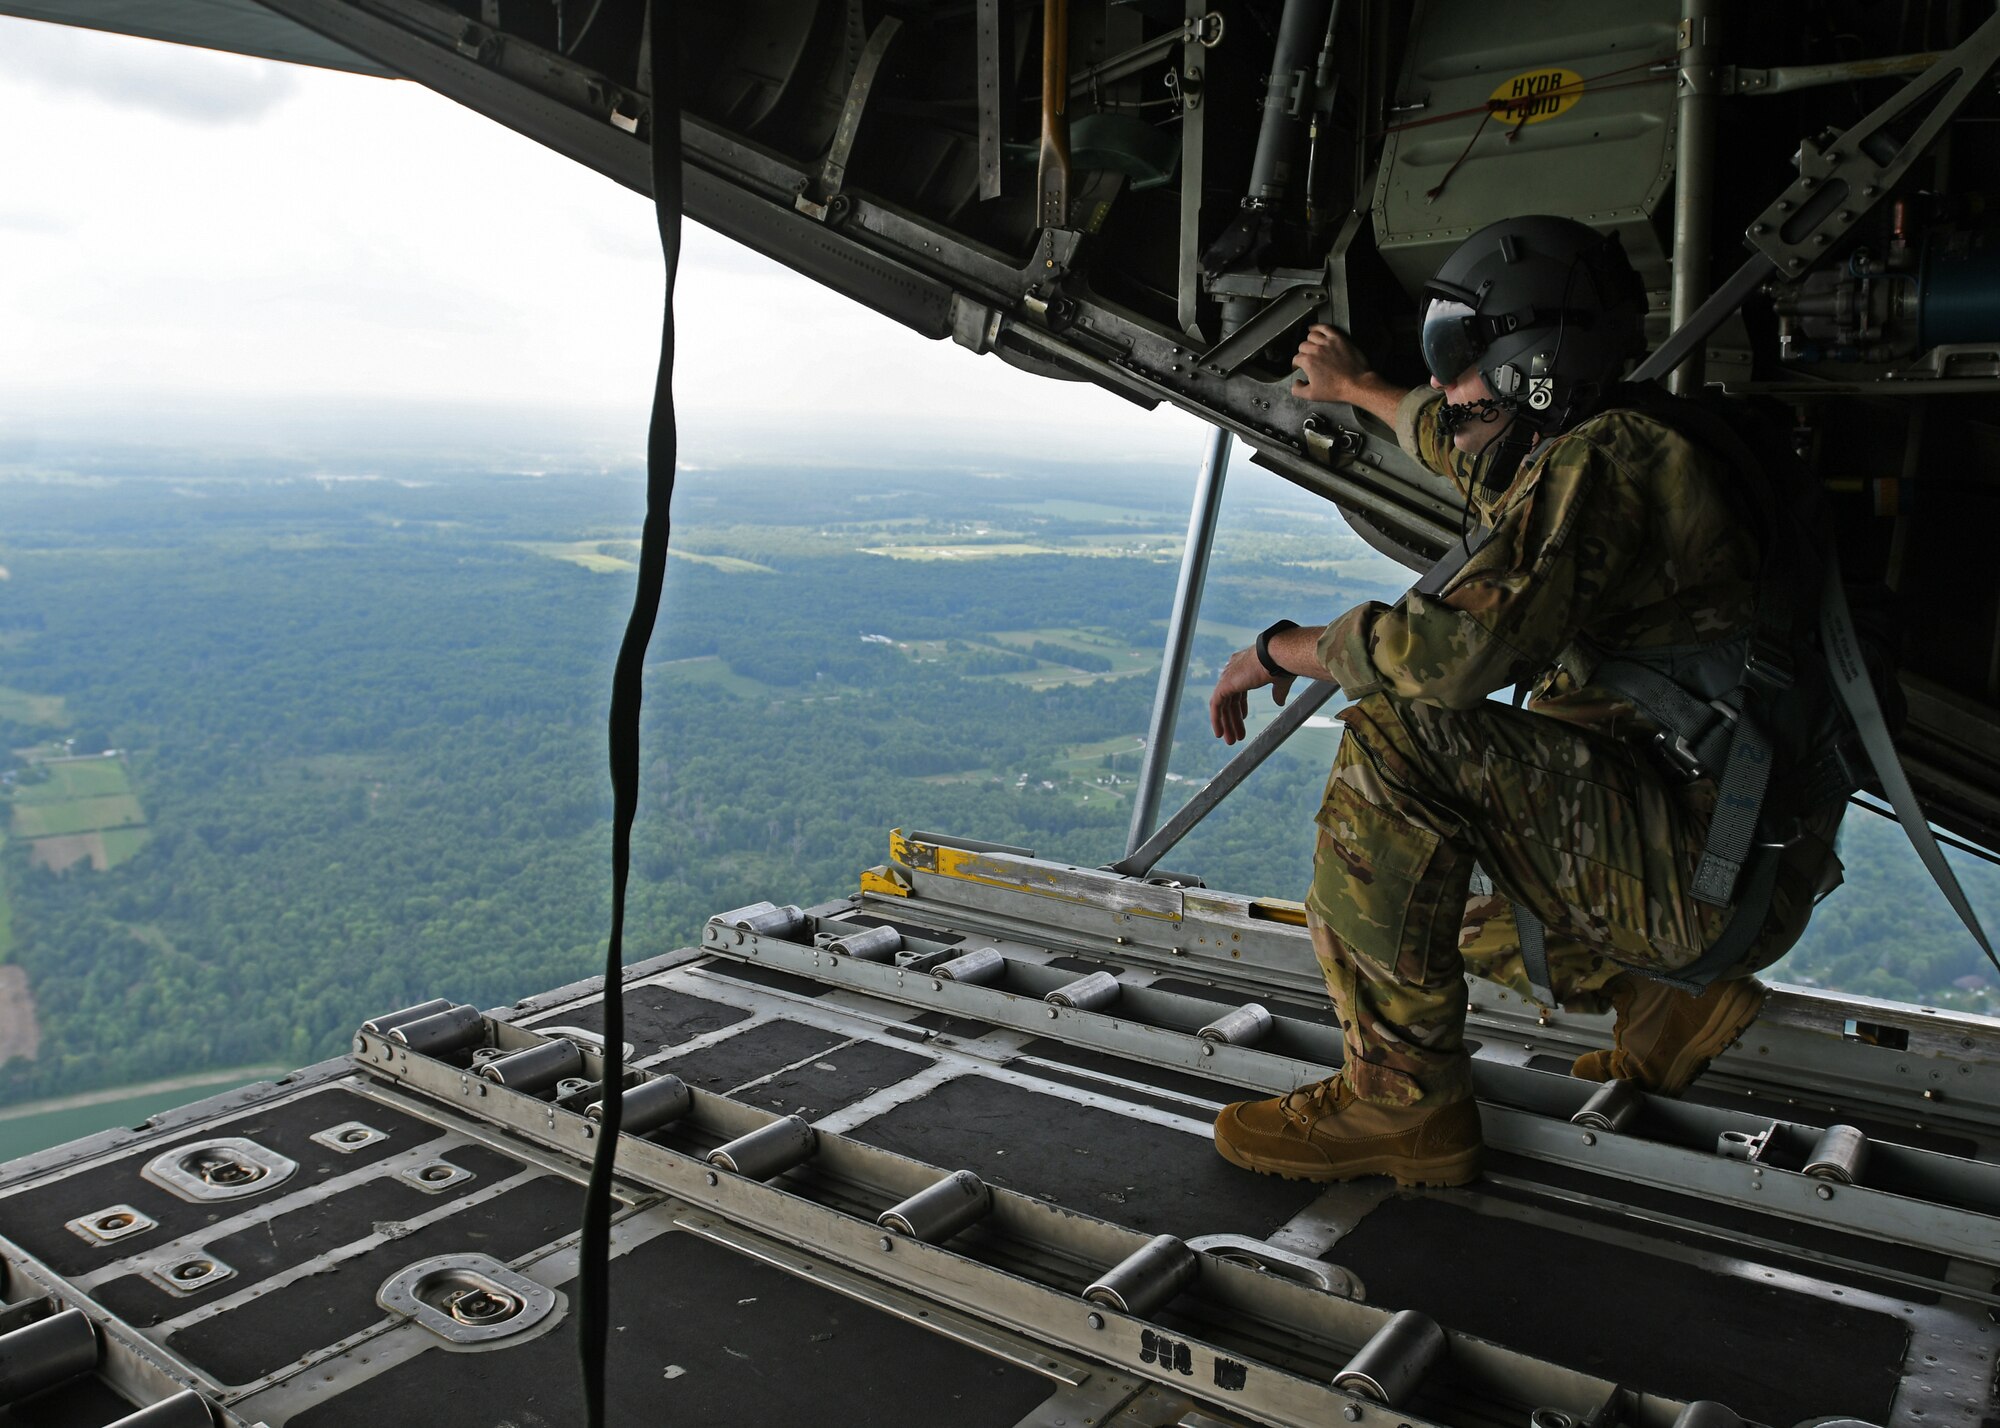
[(1377, 396), (1298, 651)]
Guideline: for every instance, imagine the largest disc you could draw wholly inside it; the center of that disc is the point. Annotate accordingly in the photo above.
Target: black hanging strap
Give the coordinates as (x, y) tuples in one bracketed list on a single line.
[(662, 448), (1857, 693)]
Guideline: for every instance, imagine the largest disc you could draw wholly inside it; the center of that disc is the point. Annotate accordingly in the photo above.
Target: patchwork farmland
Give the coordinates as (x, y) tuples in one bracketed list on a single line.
[(75, 809)]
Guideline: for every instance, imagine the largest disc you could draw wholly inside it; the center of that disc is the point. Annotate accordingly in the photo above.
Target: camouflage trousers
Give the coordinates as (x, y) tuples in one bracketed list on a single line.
[(1579, 827)]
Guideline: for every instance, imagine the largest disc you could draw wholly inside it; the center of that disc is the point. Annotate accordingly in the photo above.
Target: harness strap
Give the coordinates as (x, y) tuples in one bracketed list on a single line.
[(1534, 936), (1857, 692), (1719, 737), (1695, 732), (1733, 942), (1739, 806), (1730, 947), (1833, 776)]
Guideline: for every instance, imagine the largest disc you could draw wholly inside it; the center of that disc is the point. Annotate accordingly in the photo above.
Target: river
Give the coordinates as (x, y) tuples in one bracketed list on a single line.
[(38, 1125)]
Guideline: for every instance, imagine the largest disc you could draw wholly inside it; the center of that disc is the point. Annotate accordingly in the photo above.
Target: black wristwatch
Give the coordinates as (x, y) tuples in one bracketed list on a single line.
[(1278, 671)]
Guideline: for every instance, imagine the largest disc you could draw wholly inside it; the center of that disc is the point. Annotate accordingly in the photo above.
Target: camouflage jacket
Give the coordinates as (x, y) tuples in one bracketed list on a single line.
[(1617, 533)]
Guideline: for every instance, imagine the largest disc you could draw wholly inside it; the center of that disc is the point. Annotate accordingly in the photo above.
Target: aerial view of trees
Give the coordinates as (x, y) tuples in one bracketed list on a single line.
[(365, 720)]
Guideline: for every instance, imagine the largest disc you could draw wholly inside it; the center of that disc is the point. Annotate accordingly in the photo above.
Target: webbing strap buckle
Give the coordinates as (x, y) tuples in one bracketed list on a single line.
[(1683, 749), (1779, 832), (1768, 663)]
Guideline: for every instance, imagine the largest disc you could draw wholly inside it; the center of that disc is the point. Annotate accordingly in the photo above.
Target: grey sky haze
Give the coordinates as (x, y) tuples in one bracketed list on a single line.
[(184, 232)]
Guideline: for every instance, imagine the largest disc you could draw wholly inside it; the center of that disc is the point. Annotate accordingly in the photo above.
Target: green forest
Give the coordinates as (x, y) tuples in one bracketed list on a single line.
[(282, 748)]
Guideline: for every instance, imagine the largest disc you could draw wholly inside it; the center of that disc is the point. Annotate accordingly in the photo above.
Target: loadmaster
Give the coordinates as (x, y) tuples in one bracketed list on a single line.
[(1599, 848)]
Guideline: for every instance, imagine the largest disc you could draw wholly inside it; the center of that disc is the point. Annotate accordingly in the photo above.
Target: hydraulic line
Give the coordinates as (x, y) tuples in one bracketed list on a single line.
[(627, 692)]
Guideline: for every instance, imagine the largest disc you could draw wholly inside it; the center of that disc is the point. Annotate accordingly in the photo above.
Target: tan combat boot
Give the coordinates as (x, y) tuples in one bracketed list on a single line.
[(1324, 1132), (1665, 1038)]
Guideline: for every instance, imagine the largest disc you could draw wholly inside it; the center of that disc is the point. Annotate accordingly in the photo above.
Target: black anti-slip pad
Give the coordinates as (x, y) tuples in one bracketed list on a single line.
[(835, 1079), (768, 977), (1642, 1320), (723, 1065), (655, 1017), (825, 1075), (260, 1251), (1149, 1177), (85, 1403), (701, 1334), (257, 1337), (34, 1219), (1187, 1084)]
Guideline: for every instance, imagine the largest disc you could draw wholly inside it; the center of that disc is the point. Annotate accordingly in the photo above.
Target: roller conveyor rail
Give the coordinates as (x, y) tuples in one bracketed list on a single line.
[(1769, 1166), (1025, 1281), (941, 1152)]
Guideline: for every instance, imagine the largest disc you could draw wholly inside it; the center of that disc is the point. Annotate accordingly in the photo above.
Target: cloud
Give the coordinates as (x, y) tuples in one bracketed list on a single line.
[(320, 262), (173, 81), (21, 220)]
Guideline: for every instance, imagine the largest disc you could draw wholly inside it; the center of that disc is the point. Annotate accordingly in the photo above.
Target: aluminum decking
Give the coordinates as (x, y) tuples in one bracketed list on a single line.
[(1593, 1273)]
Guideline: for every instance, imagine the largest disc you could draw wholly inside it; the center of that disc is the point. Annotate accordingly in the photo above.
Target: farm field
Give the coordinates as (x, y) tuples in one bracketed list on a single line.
[(606, 557), (103, 849), (959, 552), (19, 707), (73, 812), (1060, 508), (1119, 747), (76, 815), (70, 779), (711, 671), (1097, 655), (1236, 636)]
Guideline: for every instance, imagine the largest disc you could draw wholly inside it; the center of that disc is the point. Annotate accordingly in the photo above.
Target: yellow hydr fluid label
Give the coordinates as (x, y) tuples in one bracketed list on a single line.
[(1537, 95)]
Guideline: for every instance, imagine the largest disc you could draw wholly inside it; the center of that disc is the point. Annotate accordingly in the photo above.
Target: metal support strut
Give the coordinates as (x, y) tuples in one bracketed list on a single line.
[(1305, 703), (1700, 110), (1181, 621)]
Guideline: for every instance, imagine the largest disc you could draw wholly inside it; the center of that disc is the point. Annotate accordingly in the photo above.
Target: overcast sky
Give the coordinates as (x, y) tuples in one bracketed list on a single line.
[(187, 236)]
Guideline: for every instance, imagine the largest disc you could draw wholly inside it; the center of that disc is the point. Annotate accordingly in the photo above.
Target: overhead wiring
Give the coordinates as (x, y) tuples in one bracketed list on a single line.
[(589, 19), (627, 693)]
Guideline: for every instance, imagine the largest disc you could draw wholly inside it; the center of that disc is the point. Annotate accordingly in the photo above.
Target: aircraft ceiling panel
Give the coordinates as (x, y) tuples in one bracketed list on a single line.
[(240, 26)]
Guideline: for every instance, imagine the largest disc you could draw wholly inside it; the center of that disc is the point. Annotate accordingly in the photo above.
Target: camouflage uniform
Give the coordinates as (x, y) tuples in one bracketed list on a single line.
[(1617, 532)]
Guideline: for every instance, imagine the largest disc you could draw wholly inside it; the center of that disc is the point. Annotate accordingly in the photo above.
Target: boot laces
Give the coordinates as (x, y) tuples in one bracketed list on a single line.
[(1307, 1104)]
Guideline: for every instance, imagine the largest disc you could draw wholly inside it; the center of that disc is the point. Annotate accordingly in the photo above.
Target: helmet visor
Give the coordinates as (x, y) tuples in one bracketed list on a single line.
[(1452, 339)]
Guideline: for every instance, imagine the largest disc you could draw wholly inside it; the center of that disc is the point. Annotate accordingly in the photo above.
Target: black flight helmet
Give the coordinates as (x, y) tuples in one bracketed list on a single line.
[(1548, 309)]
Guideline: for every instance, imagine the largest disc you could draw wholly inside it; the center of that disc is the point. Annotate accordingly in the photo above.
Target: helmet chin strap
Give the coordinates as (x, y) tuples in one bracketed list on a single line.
[(1495, 466), (1485, 411), (1503, 457)]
